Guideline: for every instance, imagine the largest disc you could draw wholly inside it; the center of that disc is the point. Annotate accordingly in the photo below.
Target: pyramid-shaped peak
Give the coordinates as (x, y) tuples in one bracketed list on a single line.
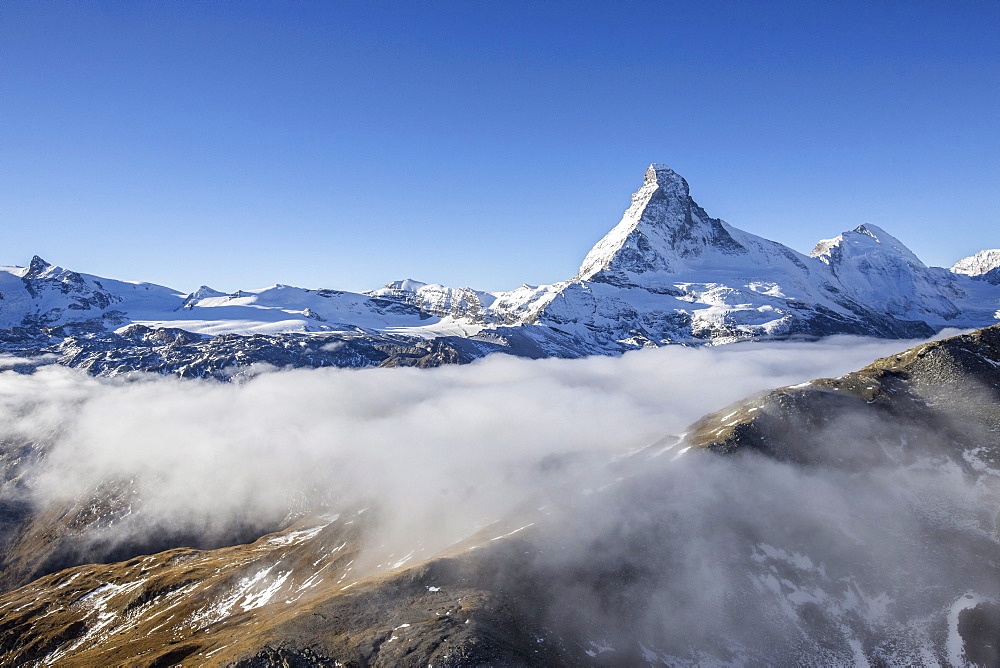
[(39, 268), (205, 292), (663, 231), (37, 265), (664, 177)]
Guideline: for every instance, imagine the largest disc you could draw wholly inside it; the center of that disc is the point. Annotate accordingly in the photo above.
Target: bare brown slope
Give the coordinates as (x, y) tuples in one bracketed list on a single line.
[(158, 609), (297, 597)]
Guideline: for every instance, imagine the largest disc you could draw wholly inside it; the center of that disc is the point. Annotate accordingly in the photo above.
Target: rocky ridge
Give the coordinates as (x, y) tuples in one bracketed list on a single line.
[(981, 263)]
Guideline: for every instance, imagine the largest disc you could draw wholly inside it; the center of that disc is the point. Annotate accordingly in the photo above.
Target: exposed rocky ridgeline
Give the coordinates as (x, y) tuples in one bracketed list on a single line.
[(667, 273), (979, 264), (908, 405), (983, 266), (169, 350), (844, 521)]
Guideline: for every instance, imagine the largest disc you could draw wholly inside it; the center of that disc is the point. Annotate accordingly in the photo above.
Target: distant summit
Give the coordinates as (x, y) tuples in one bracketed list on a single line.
[(36, 267), (880, 271), (664, 230), (976, 265), (861, 240)]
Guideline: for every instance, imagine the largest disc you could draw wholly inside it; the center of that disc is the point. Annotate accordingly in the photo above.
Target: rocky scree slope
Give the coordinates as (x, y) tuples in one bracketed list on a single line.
[(666, 273), (840, 522)]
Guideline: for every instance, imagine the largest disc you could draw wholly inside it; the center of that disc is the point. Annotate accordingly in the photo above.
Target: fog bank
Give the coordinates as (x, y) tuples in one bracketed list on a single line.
[(442, 451)]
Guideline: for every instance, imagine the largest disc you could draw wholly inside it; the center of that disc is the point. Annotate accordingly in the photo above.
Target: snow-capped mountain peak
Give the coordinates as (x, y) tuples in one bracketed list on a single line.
[(205, 292), (982, 262), (663, 177), (36, 267), (863, 240), (877, 269), (39, 268), (664, 230)]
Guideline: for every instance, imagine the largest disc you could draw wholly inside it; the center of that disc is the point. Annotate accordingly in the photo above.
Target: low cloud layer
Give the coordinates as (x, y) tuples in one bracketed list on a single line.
[(452, 447), (703, 552)]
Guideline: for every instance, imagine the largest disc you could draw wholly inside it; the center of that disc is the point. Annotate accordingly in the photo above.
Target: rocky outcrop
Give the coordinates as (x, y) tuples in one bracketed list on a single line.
[(940, 392)]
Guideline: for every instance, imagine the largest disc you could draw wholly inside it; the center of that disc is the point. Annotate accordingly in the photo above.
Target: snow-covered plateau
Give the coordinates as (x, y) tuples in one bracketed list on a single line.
[(667, 273)]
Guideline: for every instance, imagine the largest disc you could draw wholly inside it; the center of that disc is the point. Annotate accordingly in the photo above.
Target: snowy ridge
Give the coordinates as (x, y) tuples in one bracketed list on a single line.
[(666, 273), (975, 265), (47, 295), (879, 271), (670, 273)]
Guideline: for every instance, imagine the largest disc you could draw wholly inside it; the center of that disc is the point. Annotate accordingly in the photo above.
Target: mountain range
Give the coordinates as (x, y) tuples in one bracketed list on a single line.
[(667, 273), (148, 521)]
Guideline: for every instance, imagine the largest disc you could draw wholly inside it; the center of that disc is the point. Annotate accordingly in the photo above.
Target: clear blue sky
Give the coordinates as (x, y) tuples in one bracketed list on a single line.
[(347, 144)]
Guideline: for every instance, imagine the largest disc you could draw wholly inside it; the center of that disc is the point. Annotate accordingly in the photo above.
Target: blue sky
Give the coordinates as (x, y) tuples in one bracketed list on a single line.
[(348, 144)]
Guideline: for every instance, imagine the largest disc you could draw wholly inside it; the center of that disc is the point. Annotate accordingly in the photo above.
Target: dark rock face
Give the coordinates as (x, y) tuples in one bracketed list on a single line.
[(949, 387), (992, 276), (172, 351), (979, 627)]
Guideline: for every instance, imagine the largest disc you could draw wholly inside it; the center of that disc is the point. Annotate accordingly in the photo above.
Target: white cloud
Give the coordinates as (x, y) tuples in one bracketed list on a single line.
[(454, 446)]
